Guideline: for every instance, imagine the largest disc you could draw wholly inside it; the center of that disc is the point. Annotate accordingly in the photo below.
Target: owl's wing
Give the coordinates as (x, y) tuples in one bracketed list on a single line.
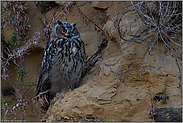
[(43, 83)]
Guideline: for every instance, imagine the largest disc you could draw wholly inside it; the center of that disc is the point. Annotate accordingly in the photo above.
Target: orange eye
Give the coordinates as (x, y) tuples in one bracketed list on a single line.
[(64, 30), (73, 31)]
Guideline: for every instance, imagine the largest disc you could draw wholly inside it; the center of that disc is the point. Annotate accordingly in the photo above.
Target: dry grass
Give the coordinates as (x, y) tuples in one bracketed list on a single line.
[(153, 22)]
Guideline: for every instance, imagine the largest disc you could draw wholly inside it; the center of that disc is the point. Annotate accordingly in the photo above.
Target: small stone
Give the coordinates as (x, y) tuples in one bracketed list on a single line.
[(62, 3), (94, 117), (89, 112), (66, 118), (101, 4), (100, 119)]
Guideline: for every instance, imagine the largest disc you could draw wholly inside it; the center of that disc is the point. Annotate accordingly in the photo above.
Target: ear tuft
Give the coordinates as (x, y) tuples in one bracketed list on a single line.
[(59, 22)]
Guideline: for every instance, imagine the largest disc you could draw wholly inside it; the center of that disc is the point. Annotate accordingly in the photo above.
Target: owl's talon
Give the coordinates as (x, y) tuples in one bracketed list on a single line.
[(62, 95)]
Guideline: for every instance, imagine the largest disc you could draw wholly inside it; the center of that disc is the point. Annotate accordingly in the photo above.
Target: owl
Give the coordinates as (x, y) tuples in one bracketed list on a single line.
[(63, 61)]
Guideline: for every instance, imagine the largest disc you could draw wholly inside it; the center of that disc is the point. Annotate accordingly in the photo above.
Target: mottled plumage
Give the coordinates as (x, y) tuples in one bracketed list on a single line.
[(63, 60)]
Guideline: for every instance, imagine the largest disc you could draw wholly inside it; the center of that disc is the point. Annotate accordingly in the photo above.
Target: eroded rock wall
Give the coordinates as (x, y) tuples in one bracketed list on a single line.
[(106, 94)]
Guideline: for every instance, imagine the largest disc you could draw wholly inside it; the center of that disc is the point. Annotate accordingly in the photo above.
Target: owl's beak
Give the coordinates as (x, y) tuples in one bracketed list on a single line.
[(70, 35)]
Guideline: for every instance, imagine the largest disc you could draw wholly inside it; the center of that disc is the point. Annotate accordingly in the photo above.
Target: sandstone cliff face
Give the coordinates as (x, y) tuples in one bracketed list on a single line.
[(107, 92), (107, 95)]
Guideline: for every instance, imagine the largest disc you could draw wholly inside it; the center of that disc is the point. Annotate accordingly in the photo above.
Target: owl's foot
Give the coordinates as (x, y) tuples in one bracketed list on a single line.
[(62, 95)]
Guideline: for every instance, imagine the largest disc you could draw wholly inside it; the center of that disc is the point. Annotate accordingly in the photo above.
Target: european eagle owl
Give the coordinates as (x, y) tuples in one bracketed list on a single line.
[(63, 61)]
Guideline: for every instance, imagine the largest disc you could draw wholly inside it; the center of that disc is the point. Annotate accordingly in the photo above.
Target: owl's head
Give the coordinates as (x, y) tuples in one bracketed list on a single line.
[(66, 30)]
